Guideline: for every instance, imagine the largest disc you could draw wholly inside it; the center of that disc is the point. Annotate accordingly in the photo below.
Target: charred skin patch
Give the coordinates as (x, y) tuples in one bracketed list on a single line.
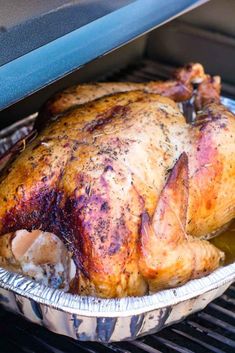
[(52, 212), (107, 117)]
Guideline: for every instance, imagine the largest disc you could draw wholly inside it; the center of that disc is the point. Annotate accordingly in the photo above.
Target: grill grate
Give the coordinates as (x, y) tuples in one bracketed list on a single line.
[(212, 330)]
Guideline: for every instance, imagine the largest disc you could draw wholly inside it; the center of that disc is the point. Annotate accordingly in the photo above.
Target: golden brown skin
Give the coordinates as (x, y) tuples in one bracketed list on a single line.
[(168, 255), (109, 176), (179, 89), (84, 93)]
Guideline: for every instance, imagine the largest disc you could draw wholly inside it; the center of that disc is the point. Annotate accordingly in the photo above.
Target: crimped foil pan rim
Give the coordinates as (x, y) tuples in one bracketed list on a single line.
[(123, 307)]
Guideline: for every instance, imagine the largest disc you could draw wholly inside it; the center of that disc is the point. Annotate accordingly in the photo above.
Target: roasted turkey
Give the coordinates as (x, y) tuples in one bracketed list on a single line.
[(117, 191)]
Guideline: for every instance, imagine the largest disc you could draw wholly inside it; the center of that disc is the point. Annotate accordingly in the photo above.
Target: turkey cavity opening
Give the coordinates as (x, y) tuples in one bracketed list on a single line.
[(38, 255)]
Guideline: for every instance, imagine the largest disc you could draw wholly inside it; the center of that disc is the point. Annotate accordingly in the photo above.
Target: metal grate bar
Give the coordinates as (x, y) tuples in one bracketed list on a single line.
[(222, 310), (184, 339), (203, 341), (145, 347), (171, 343), (227, 299), (217, 322), (213, 334)]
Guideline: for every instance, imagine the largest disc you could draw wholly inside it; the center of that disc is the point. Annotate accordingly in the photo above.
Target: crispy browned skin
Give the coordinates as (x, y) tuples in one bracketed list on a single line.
[(112, 180), (208, 92), (168, 256), (84, 93), (179, 89)]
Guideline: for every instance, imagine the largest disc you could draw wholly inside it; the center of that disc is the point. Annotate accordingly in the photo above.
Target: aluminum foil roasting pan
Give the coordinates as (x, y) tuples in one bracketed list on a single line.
[(107, 320)]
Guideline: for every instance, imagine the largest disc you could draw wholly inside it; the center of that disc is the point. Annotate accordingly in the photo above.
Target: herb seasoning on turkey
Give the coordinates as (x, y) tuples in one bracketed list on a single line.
[(121, 188)]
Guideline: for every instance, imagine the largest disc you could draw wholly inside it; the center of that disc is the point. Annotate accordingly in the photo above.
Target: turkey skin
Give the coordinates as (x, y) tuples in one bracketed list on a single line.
[(129, 187)]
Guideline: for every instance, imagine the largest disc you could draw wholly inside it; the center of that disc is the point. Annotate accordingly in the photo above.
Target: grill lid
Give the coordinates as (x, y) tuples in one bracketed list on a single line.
[(46, 42)]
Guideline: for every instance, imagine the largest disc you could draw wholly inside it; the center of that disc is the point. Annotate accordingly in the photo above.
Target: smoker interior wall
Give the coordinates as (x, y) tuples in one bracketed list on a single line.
[(206, 34)]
